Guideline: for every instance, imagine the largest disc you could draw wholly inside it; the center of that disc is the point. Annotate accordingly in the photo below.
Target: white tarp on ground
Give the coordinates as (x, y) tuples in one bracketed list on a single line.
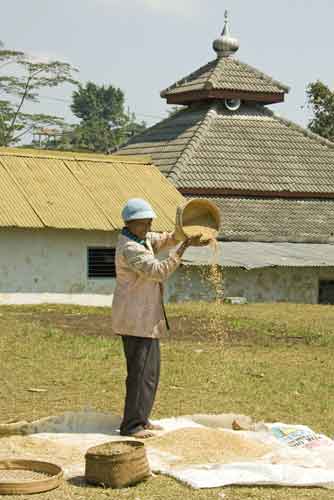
[(298, 456)]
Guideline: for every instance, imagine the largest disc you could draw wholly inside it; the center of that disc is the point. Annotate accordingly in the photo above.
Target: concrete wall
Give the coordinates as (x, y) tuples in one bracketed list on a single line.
[(54, 261), (281, 284), (284, 284)]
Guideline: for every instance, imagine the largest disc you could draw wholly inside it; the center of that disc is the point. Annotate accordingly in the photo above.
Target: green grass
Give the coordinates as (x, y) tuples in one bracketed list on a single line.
[(272, 362)]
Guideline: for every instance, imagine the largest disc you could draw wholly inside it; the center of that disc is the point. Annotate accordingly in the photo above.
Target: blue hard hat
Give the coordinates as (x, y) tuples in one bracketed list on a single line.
[(136, 208)]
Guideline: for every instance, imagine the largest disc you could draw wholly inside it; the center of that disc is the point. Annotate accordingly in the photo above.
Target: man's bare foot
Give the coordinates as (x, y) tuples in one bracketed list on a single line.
[(153, 427), (144, 434)]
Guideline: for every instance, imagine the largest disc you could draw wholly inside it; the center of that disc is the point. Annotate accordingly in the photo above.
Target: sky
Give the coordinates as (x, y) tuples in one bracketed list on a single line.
[(143, 46)]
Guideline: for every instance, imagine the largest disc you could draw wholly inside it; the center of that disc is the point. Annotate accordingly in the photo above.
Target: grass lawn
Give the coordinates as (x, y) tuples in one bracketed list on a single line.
[(272, 362)]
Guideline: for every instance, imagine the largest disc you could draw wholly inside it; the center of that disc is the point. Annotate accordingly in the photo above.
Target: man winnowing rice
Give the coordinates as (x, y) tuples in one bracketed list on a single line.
[(138, 313)]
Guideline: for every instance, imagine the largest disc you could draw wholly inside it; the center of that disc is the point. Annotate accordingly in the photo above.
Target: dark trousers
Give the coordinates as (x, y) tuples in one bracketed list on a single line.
[(143, 368)]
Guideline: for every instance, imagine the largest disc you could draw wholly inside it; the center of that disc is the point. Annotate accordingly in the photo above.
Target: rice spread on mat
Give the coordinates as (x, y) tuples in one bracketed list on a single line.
[(199, 446), (34, 448)]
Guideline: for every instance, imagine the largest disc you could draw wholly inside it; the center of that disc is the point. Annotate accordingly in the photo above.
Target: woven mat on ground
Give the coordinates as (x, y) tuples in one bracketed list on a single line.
[(201, 450)]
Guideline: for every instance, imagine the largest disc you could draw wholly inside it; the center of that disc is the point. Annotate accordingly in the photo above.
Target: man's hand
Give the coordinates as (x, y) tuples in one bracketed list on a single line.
[(196, 241)]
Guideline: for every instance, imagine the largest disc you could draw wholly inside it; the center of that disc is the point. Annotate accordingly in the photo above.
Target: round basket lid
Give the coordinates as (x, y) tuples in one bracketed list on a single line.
[(19, 477)]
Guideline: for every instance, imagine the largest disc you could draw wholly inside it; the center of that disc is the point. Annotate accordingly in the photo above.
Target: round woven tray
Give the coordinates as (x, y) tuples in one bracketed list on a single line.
[(20, 477), (117, 464), (196, 212)]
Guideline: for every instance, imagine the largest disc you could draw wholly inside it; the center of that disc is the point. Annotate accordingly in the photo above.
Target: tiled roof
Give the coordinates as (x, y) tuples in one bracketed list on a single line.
[(250, 150), (278, 219), (226, 74), (246, 151), (168, 140), (71, 191)]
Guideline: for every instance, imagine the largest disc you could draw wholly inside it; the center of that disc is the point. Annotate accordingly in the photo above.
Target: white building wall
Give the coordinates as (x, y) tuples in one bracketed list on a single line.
[(279, 284), (48, 260)]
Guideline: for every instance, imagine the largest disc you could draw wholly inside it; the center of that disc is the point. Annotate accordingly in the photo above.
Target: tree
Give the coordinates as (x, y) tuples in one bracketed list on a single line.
[(321, 100), (91, 102), (21, 80), (104, 125)]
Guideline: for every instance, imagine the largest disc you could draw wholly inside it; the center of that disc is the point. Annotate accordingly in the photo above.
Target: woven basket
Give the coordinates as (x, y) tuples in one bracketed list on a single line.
[(106, 467), (22, 477), (196, 212)]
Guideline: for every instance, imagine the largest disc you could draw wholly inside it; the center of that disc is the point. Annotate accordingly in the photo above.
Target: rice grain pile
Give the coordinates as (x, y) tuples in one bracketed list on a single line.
[(206, 233), (110, 449), (21, 475), (200, 446)]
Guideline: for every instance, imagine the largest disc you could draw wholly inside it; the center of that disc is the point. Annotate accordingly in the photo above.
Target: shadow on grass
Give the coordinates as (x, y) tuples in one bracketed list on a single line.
[(80, 482)]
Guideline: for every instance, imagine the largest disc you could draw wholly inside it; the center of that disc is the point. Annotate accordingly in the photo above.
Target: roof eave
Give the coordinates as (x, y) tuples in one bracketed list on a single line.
[(221, 192), (73, 156), (213, 94)]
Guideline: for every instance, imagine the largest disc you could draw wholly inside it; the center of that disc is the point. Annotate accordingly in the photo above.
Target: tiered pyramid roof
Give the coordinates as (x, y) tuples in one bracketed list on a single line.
[(273, 180)]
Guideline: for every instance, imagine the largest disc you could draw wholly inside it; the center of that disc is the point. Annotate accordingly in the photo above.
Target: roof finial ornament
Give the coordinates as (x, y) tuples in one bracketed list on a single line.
[(225, 45), (226, 29)]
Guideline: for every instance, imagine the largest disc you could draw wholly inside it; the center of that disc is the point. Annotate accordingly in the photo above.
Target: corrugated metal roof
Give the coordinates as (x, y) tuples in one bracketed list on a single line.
[(252, 255), (78, 191), (14, 208)]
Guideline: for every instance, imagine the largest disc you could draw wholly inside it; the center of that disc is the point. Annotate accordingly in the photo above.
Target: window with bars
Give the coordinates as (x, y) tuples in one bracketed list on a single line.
[(326, 292), (101, 262)]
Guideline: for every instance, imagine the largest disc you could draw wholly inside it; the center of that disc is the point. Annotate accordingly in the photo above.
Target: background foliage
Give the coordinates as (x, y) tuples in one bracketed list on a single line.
[(321, 101), (104, 124)]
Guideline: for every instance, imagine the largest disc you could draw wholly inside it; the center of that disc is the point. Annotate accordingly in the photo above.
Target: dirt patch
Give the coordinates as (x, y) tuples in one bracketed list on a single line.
[(183, 328), (77, 323)]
